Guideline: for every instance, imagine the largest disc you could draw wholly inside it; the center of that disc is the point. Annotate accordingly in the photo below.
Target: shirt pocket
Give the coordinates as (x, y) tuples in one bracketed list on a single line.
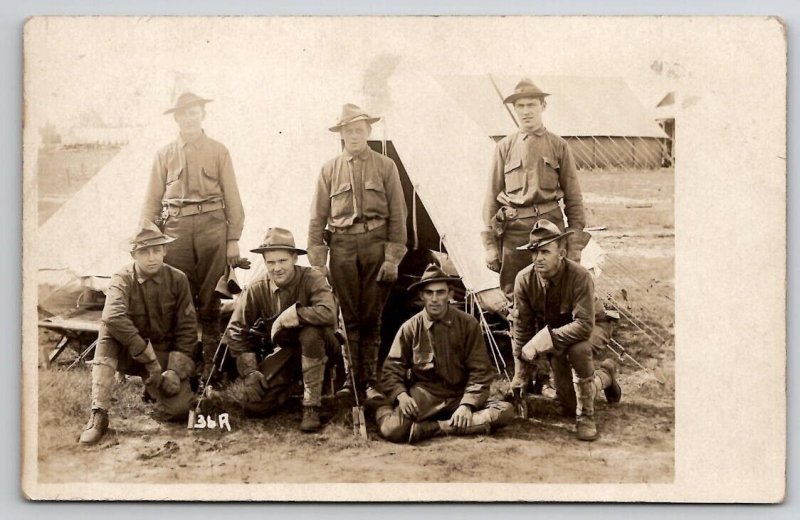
[(209, 177), (422, 358), (548, 174), (514, 176), (342, 200), (173, 174), (374, 198)]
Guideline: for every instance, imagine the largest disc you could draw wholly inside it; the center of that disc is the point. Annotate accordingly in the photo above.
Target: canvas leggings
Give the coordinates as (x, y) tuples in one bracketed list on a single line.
[(517, 233), (355, 260), (310, 347), (111, 356), (395, 427), (576, 363), (200, 252)]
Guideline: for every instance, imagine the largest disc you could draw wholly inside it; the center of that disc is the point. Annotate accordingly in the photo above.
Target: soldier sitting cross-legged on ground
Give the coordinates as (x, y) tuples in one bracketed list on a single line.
[(298, 307), (149, 329), (437, 373)]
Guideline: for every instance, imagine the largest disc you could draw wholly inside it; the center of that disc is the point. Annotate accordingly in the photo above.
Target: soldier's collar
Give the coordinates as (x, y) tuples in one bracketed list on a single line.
[(363, 155), (142, 278), (447, 319), (539, 132), (182, 143)]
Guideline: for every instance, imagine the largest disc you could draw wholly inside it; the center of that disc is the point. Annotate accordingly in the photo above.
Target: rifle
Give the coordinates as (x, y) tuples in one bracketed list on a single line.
[(193, 412), (359, 422)]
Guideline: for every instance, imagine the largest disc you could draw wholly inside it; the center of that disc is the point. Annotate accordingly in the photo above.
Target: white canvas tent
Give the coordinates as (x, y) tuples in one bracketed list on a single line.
[(277, 151), (602, 119)]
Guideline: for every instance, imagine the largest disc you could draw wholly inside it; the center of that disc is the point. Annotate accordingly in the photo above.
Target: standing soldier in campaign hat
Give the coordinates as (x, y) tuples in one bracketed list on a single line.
[(297, 307), (437, 373), (193, 194), (149, 329), (360, 201), (532, 170), (556, 319)]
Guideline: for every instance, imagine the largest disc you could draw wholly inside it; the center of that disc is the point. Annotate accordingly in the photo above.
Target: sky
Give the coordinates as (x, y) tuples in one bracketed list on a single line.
[(127, 70)]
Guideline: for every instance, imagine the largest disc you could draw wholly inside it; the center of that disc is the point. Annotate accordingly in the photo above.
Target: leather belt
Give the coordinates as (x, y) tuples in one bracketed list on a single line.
[(359, 227), (530, 211), (187, 209)]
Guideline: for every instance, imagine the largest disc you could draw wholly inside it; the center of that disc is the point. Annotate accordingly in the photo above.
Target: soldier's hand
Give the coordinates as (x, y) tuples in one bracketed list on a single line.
[(170, 383), (461, 418), (232, 253), (408, 406), (388, 273), (493, 261), (244, 263), (254, 386)]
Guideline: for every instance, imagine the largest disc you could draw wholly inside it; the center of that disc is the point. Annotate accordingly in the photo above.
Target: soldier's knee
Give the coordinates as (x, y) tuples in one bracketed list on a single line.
[(391, 427), (312, 341), (505, 413)]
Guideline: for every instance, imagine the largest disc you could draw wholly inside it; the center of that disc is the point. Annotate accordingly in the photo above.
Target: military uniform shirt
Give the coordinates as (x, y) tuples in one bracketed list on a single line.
[(447, 357), (263, 299), (158, 308), (532, 169), (565, 303), (195, 172), (342, 198)]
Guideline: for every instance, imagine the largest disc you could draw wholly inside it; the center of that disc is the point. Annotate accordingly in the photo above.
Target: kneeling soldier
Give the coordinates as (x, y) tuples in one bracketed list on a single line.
[(556, 319), (438, 372), (148, 323), (299, 304)]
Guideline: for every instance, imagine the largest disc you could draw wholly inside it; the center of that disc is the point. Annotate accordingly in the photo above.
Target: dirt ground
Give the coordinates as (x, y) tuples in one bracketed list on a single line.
[(637, 435)]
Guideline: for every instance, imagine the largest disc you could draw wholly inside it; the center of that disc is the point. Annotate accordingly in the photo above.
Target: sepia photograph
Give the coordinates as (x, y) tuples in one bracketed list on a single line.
[(368, 258)]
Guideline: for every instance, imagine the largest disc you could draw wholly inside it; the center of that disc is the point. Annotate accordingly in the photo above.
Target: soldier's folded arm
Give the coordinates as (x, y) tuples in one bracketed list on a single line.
[(580, 328), (322, 310), (479, 374), (116, 318)]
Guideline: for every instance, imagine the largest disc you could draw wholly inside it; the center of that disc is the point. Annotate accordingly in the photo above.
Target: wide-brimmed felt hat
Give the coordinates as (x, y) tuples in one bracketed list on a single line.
[(148, 235), (186, 100), (525, 88), (350, 114), (278, 238), (543, 233), (433, 273)]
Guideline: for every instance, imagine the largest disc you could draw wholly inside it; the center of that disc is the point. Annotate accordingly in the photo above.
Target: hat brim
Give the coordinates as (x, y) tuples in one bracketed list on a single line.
[(200, 101), (520, 95), (262, 249), (342, 124), (422, 283), (533, 246), (156, 242)]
